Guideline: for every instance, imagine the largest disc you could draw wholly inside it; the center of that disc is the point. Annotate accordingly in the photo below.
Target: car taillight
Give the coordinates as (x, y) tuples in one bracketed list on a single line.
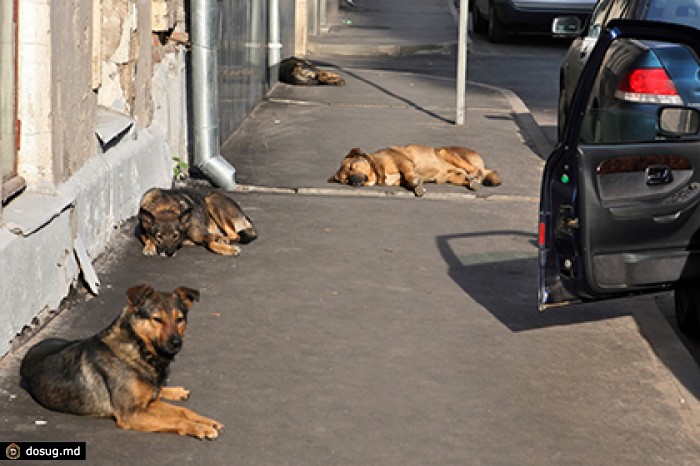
[(648, 85)]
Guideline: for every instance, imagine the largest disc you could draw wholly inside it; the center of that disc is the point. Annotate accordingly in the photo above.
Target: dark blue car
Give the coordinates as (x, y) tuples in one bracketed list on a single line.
[(637, 77), (620, 199)]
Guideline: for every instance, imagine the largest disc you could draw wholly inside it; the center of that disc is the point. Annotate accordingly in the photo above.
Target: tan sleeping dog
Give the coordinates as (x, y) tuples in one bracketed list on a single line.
[(411, 166)]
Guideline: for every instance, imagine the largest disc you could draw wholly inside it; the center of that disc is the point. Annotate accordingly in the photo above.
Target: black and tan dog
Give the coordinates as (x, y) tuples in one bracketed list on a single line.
[(411, 166), (170, 218), (121, 371), (295, 70)]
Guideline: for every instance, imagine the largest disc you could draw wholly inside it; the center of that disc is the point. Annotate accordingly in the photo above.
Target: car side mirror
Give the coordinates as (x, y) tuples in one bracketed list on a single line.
[(566, 26), (679, 122)]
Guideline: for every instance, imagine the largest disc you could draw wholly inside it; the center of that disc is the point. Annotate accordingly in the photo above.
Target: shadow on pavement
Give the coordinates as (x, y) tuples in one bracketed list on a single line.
[(394, 95), (506, 286)]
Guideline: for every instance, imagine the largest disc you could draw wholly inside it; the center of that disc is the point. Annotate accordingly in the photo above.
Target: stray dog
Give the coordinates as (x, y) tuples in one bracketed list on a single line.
[(411, 166), (121, 371), (295, 70), (169, 218)]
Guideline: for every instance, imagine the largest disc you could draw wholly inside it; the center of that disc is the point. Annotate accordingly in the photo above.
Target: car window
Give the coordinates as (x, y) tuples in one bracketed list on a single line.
[(597, 18), (619, 9), (675, 11), (636, 81), (606, 10)]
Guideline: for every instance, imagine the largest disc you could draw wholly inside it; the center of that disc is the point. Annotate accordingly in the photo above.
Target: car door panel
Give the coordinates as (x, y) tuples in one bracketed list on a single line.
[(637, 233), (618, 219)]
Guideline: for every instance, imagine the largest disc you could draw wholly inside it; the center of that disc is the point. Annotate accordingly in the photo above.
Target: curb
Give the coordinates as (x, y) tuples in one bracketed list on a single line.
[(383, 193), (529, 128)]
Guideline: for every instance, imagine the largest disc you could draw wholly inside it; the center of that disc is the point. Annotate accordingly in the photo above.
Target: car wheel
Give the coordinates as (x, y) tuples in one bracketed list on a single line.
[(497, 29), (479, 23), (687, 312)]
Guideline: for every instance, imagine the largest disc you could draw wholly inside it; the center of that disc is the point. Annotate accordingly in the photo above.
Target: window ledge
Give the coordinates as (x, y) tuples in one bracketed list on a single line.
[(31, 211)]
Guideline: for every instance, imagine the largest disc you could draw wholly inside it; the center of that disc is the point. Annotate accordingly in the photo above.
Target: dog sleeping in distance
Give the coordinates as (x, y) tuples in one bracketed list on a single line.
[(299, 71), (121, 371), (171, 218), (413, 165)]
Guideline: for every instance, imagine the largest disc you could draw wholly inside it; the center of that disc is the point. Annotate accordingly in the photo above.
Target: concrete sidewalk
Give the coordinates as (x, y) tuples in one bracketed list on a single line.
[(389, 28), (366, 326)]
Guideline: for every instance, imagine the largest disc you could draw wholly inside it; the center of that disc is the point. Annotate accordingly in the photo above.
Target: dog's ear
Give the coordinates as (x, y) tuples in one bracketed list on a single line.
[(187, 295), (186, 217), (138, 295), (146, 219), (354, 152)]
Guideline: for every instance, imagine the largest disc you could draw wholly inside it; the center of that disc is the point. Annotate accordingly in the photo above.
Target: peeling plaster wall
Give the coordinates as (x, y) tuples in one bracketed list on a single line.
[(137, 35), (76, 188)]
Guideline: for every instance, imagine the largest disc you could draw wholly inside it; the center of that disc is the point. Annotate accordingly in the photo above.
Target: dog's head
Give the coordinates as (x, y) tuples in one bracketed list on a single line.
[(158, 319), (166, 226), (355, 170)]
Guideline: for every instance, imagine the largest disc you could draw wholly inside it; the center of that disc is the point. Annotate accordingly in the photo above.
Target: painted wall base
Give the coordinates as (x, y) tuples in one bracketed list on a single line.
[(38, 265)]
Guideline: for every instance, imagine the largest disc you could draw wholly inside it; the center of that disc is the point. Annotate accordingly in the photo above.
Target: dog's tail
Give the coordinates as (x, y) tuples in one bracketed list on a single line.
[(247, 235), (491, 178)]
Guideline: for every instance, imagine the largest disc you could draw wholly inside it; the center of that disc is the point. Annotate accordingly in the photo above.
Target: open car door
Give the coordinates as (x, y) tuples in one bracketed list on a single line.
[(622, 218)]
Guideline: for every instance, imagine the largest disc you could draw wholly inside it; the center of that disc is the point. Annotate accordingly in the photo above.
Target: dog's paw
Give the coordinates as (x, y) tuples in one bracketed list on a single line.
[(419, 191), (202, 431), (149, 250), (175, 393), (218, 426)]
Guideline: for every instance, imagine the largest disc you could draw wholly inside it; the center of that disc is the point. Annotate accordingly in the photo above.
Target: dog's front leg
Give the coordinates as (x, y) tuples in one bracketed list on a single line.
[(149, 247), (163, 417), (410, 177)]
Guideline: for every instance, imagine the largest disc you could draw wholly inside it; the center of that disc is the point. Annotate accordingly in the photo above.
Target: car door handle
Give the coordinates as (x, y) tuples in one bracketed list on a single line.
[(658, 174)]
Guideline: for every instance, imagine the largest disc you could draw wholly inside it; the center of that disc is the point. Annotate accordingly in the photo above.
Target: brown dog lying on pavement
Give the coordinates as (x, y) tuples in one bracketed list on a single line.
[(170, 218), (298, 71), (121, 371), (411, 166)]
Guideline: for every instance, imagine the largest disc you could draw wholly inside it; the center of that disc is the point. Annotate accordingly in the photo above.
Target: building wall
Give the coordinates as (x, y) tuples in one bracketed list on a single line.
[(35, 156), (73, 101), (87, 68)]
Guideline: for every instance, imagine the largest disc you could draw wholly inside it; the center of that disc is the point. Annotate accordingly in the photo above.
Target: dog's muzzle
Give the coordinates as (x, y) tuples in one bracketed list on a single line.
[(169, 251), (357, 180), (171, 347)]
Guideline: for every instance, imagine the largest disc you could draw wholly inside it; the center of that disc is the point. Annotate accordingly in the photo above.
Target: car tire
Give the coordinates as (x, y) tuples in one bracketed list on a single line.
[(479, 24), (687, 302), (497, 30)]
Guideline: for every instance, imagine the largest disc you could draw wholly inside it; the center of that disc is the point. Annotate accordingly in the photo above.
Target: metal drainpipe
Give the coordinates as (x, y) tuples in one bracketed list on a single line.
[(274, 44), (205, 94)]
